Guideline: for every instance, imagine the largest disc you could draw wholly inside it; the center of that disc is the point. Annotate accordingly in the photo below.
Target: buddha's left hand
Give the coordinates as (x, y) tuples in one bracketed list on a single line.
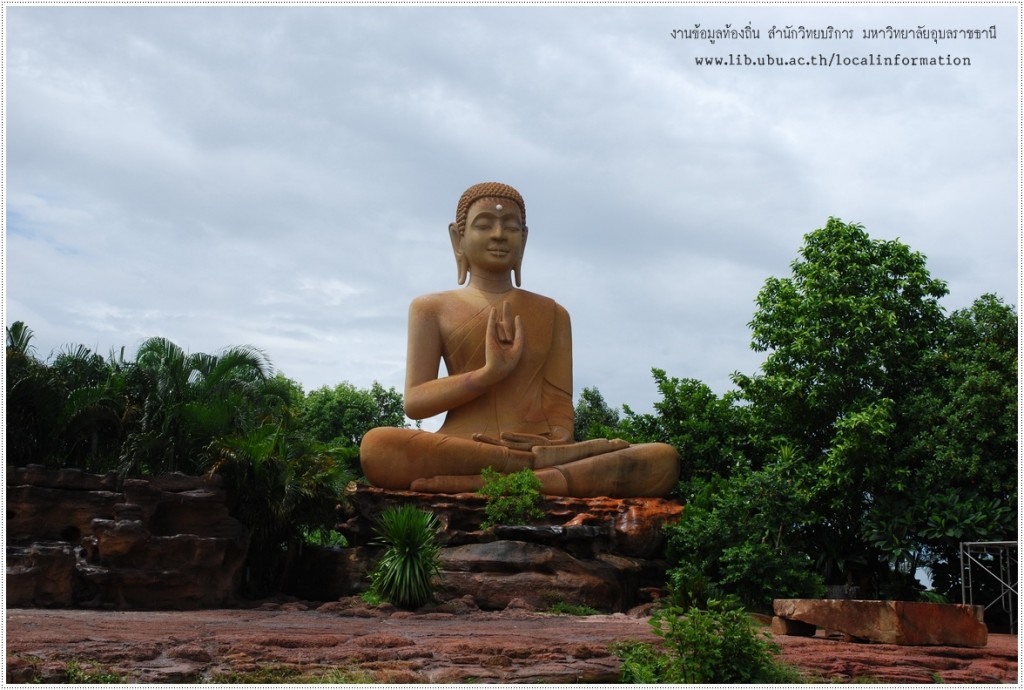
[(519, 441)]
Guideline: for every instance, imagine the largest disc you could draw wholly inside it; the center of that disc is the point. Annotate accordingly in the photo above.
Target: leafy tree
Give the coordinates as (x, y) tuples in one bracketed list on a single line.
[(593, 417), (92, 425), (967, 417), (281, 484), (744, 537), (705, 429), (167, 410), (342, 415), (963, 431), (187, 401), (848, 337), (19, 339), (33, 401)]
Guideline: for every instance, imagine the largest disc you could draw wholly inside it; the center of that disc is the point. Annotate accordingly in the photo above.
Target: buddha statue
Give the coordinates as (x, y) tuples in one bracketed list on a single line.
[(507, 394)]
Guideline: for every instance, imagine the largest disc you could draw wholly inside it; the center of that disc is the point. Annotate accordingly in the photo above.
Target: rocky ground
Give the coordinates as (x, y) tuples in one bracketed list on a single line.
[(347, 641)]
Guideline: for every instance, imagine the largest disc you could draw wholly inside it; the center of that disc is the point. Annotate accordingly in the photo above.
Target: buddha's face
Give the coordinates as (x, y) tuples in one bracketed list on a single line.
[(495, 236)]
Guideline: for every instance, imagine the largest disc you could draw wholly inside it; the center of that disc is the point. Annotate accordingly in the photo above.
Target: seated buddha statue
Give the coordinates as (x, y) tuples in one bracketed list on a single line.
[(507, 392)]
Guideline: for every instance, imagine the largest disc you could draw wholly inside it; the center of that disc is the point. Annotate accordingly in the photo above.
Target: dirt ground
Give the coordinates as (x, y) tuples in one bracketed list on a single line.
[(346, 642)]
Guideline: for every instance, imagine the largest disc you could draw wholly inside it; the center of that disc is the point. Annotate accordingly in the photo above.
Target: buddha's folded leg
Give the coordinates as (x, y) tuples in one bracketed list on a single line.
[(394, 458), (549, 456), (644, 470), (448, 484)]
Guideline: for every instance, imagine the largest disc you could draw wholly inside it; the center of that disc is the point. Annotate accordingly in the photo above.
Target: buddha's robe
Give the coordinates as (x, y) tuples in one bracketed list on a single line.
[(535, 397)]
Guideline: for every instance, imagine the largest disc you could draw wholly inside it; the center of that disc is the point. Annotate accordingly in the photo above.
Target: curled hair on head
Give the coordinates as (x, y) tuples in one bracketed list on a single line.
[(486, 190)]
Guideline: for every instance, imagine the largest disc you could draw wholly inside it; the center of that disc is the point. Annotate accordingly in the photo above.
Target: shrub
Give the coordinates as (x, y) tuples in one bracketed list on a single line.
[(324, 536), (89, 672), (512, 499), (565, 608), (713, 645), (404, 574)]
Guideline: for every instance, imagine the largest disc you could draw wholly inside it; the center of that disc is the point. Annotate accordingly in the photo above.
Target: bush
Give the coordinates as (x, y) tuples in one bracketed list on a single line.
[(512, 499), (746, 536), (713, 645), (404, 575), (563, 608)]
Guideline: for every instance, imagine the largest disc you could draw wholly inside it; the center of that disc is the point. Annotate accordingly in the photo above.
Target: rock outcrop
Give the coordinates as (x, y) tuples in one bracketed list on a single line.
[(599, 552), (168, 542), (891, 622), (77, 539)]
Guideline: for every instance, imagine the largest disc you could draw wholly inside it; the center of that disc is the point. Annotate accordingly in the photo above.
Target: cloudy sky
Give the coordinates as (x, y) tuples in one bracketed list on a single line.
[(283, 177)]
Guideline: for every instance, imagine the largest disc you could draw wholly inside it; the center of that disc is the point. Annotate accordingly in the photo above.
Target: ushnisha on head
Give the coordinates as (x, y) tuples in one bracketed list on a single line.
[(497, 192)]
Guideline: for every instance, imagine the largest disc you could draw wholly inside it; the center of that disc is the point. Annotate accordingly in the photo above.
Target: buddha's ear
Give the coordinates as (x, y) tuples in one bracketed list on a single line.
[(517, 269), (461, 263)]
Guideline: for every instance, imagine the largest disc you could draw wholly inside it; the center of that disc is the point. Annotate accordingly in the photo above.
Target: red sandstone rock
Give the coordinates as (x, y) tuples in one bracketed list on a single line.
[(497, 573), (78, 539), (40, 574), (785, 626), (514, 646), (631, 526), (893, 622), (599, 552)]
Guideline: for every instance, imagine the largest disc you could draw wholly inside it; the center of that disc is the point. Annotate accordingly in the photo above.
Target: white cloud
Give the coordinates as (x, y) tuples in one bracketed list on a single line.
[(284, 177)]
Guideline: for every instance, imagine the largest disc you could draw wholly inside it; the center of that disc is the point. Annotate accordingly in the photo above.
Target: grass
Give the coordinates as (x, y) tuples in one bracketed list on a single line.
[(268, 674), (279, 674), (564, 608), (90, 672), (371, 598)]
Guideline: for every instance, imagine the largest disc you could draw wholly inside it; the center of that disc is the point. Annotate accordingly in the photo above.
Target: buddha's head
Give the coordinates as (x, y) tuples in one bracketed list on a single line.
[(490, 202)]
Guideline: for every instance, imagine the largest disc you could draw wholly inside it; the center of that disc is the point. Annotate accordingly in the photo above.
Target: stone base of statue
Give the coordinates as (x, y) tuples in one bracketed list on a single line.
[(600, 552)]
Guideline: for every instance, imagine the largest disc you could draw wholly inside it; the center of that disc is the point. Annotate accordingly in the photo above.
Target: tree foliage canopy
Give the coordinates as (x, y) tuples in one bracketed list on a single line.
[(877, 434), (593, 418)]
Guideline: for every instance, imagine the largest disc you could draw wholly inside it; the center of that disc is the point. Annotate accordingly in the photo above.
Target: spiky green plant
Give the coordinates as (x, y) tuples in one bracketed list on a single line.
[(405, 574)]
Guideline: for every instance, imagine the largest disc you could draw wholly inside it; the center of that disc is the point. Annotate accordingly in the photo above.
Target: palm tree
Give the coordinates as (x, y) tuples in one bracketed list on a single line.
[(19, 337), (91, 428), (33, 402), (281, 484), (187, 401)]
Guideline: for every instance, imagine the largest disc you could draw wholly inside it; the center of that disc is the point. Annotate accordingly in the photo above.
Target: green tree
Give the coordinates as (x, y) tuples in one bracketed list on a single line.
[(33, 401), (19, 339), (848, 336), (342, 415), (967, 417), (281, 484), (187, 401), (91, 427), (512, 499), (744, 537), (705, 429), (593, 417), (963, 432)]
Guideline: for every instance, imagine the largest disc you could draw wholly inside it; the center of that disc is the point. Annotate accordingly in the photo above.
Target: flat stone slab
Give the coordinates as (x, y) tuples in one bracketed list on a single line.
[(890, 622)]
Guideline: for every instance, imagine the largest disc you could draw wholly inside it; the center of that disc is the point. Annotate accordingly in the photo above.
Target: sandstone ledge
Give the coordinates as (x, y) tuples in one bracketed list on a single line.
[(891, 622)]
